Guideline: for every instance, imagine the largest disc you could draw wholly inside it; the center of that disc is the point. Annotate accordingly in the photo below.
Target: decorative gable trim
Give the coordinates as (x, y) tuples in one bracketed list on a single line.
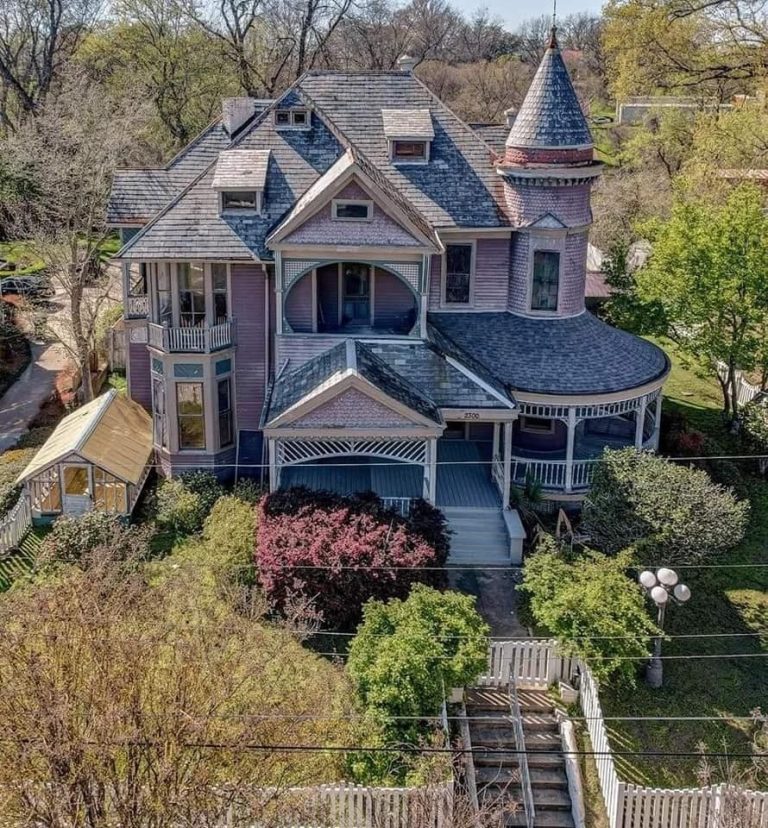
[(548, 221)]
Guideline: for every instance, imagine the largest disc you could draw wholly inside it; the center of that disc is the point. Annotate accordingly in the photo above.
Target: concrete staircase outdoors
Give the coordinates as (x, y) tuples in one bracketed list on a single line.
[(498, 773), (479, 536)]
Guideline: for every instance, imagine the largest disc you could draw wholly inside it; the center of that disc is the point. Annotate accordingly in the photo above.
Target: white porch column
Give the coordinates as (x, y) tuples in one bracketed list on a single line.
[(507, 463), (639, 422), (273, 480), (657, 423), (496, 436), (432, 455), (569, 449)]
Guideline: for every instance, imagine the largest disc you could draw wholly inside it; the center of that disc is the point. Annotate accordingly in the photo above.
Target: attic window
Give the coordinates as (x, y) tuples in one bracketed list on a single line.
[(241, 200), (298, 118), (406, 151), (352, 210)]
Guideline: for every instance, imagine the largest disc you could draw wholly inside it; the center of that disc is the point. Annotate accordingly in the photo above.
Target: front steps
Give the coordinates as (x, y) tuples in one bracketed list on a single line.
[(478, 536), (498, 773)]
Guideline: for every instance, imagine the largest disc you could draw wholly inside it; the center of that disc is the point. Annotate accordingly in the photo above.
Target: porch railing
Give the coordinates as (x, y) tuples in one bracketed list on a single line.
[(552, 474), (137, 307), (198, 340), (402, 505)]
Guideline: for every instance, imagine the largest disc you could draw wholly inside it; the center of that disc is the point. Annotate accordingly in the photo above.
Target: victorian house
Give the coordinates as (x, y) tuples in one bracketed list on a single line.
[(349, 288)]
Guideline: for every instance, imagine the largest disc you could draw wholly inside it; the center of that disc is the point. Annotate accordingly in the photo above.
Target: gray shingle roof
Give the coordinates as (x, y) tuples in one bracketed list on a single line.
[(493, 134), (407, 123), (348, 357), (138, 195), (573, 355), (551, 114), (458, 187), (193, 227), (241, 169), (424, 365)]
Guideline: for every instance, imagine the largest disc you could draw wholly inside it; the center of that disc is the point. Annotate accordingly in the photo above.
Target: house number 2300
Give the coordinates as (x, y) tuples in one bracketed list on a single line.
[(471, 415)]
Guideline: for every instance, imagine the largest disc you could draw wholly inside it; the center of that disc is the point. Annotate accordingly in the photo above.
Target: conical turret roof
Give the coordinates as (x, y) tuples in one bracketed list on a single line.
[(551, 116)]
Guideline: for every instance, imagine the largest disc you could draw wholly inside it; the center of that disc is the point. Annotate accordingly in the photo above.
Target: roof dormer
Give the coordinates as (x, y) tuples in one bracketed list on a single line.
[(409, 134), (240, 178), (292, 117)]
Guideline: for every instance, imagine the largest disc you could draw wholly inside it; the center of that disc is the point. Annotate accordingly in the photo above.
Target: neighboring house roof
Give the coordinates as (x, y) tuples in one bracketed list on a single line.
[(551, 115), (458, 187), (111, 432), (407, 123), (348, 358), (595, 286), (241, 169), (571, 355), (137, 195)]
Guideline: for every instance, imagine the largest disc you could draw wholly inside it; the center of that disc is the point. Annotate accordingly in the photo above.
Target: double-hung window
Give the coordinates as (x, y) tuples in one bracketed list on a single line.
[(546, 280), (190, 415), (191, 295), (158, 412), (458, 274), (219, 290), (224, 395), (163, 295)]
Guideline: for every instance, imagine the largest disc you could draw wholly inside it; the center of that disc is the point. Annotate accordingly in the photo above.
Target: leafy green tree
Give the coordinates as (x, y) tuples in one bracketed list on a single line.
[(588, 602), (668, 512), (709, 274), (407, 654)]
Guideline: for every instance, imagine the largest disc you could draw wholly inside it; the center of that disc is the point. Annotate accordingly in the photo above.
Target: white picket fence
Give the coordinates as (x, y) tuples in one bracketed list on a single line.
[(14, 525), (536, 665), (745, 391)]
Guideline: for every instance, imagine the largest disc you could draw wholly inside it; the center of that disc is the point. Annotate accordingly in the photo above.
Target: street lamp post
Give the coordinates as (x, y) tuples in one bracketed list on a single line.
[(662, 586)]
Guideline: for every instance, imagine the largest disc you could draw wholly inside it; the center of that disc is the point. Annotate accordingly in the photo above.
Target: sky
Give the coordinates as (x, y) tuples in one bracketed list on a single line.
[(513, 13)]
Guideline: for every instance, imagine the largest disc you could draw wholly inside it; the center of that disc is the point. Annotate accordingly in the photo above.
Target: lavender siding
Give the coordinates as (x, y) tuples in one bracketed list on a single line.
[(328, 295), (352, 407), (298, 305), (139, 380), (518, 275), (491, 274), (527, 204), (248, 302), (574, 276), (172, 464), (298, 349), (393, 301), (435, 278), (382, 230)]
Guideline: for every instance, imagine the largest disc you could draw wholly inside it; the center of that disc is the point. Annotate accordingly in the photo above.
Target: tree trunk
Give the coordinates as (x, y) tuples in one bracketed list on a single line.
[(82, 346)]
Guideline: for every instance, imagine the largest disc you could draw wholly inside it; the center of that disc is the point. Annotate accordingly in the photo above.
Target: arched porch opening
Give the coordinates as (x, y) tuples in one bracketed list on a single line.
[(351, 297)]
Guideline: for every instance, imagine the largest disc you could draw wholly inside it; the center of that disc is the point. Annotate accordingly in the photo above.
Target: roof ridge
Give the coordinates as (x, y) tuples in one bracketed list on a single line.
[(196, 140)]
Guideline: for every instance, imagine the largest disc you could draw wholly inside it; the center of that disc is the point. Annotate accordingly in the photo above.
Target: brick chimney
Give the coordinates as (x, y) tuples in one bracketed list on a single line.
[(236, 111), (509, 116), (406, 63)]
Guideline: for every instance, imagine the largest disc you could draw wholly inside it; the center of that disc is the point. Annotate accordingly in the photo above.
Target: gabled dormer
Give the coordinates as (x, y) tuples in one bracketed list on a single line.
[(240, 179), (409, 134)]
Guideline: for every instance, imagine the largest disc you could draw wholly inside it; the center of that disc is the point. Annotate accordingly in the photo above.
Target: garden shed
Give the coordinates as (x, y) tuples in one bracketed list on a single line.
[(98, 457)]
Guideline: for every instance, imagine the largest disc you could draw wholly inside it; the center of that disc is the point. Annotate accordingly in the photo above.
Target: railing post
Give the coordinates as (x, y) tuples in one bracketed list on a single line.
[(569, 449), (507, 464), (639, 423)]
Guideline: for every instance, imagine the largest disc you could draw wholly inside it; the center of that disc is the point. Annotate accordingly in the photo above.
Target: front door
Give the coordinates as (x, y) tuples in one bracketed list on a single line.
[(77, 494), (356, 284)]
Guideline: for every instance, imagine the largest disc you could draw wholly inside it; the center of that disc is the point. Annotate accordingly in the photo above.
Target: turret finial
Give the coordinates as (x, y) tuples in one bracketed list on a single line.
[(553, 30)]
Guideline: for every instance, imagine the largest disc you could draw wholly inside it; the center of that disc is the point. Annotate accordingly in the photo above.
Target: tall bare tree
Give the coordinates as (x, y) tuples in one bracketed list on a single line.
[(70, 151)]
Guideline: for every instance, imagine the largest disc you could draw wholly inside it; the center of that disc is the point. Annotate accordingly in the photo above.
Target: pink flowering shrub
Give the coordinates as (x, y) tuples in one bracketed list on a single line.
[(347, 540)]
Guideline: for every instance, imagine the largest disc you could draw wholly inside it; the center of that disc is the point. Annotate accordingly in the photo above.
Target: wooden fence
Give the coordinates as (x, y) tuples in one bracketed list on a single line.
[(14, 525), (536, 664)]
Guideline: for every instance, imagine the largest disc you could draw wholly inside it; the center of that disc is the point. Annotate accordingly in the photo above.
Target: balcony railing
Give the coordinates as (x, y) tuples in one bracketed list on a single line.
[(198, 340), (551, 474), (137, 307)]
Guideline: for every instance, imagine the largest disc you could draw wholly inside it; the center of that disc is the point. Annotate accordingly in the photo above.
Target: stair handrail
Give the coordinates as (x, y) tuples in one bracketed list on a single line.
[(469, 764), (522, 756)]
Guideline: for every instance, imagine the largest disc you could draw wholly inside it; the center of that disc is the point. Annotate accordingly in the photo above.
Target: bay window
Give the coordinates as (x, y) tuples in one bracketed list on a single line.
[(224, 397), (163, 299), (191, 295), (190, 415), (219, 290), (160, 427)]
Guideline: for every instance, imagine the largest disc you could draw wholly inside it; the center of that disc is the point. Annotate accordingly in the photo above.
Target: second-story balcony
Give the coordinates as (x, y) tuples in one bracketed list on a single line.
[(137, 307), (200, 339)]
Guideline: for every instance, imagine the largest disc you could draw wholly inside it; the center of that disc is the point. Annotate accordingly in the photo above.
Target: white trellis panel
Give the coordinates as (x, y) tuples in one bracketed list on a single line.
[(301, 450), (294, 268), (410, 272), (584, 412)]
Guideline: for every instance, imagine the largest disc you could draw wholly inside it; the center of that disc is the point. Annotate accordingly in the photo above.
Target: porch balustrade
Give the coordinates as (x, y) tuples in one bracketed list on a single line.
[(552, 474), (199, 340), (137, 307)]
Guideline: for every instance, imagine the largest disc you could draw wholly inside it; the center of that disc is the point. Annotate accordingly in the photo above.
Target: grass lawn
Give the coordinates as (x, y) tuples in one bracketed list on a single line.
[(723, 601)]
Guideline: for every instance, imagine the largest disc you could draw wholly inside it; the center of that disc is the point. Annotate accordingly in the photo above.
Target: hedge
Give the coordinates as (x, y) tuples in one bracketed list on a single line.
[(353, 542)]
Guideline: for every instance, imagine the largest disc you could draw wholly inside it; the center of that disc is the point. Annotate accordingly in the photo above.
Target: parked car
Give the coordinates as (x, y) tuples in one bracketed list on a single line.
[(37, 286)]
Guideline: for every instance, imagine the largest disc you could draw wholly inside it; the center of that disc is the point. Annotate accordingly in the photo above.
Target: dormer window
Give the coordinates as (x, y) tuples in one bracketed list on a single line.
[(409, 134), (406, 151), (240, 200), (352, 210), (297, 118), (240, 178)]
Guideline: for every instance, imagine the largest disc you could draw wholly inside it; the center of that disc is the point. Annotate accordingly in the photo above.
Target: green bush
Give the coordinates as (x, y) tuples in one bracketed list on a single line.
[(249, 491), (670, 513), (205, 485), (72, 538), (408, 654), (177, 509), (754, 429), (591, 606), (229, 534)]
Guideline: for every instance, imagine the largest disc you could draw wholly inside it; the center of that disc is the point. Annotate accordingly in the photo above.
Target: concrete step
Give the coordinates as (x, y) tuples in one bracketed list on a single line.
[(477, 536), (535, 701), (542, 740), (548, 778), (547, 819), (496, 719), (497, 775), (488, 755), (486, 698)]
